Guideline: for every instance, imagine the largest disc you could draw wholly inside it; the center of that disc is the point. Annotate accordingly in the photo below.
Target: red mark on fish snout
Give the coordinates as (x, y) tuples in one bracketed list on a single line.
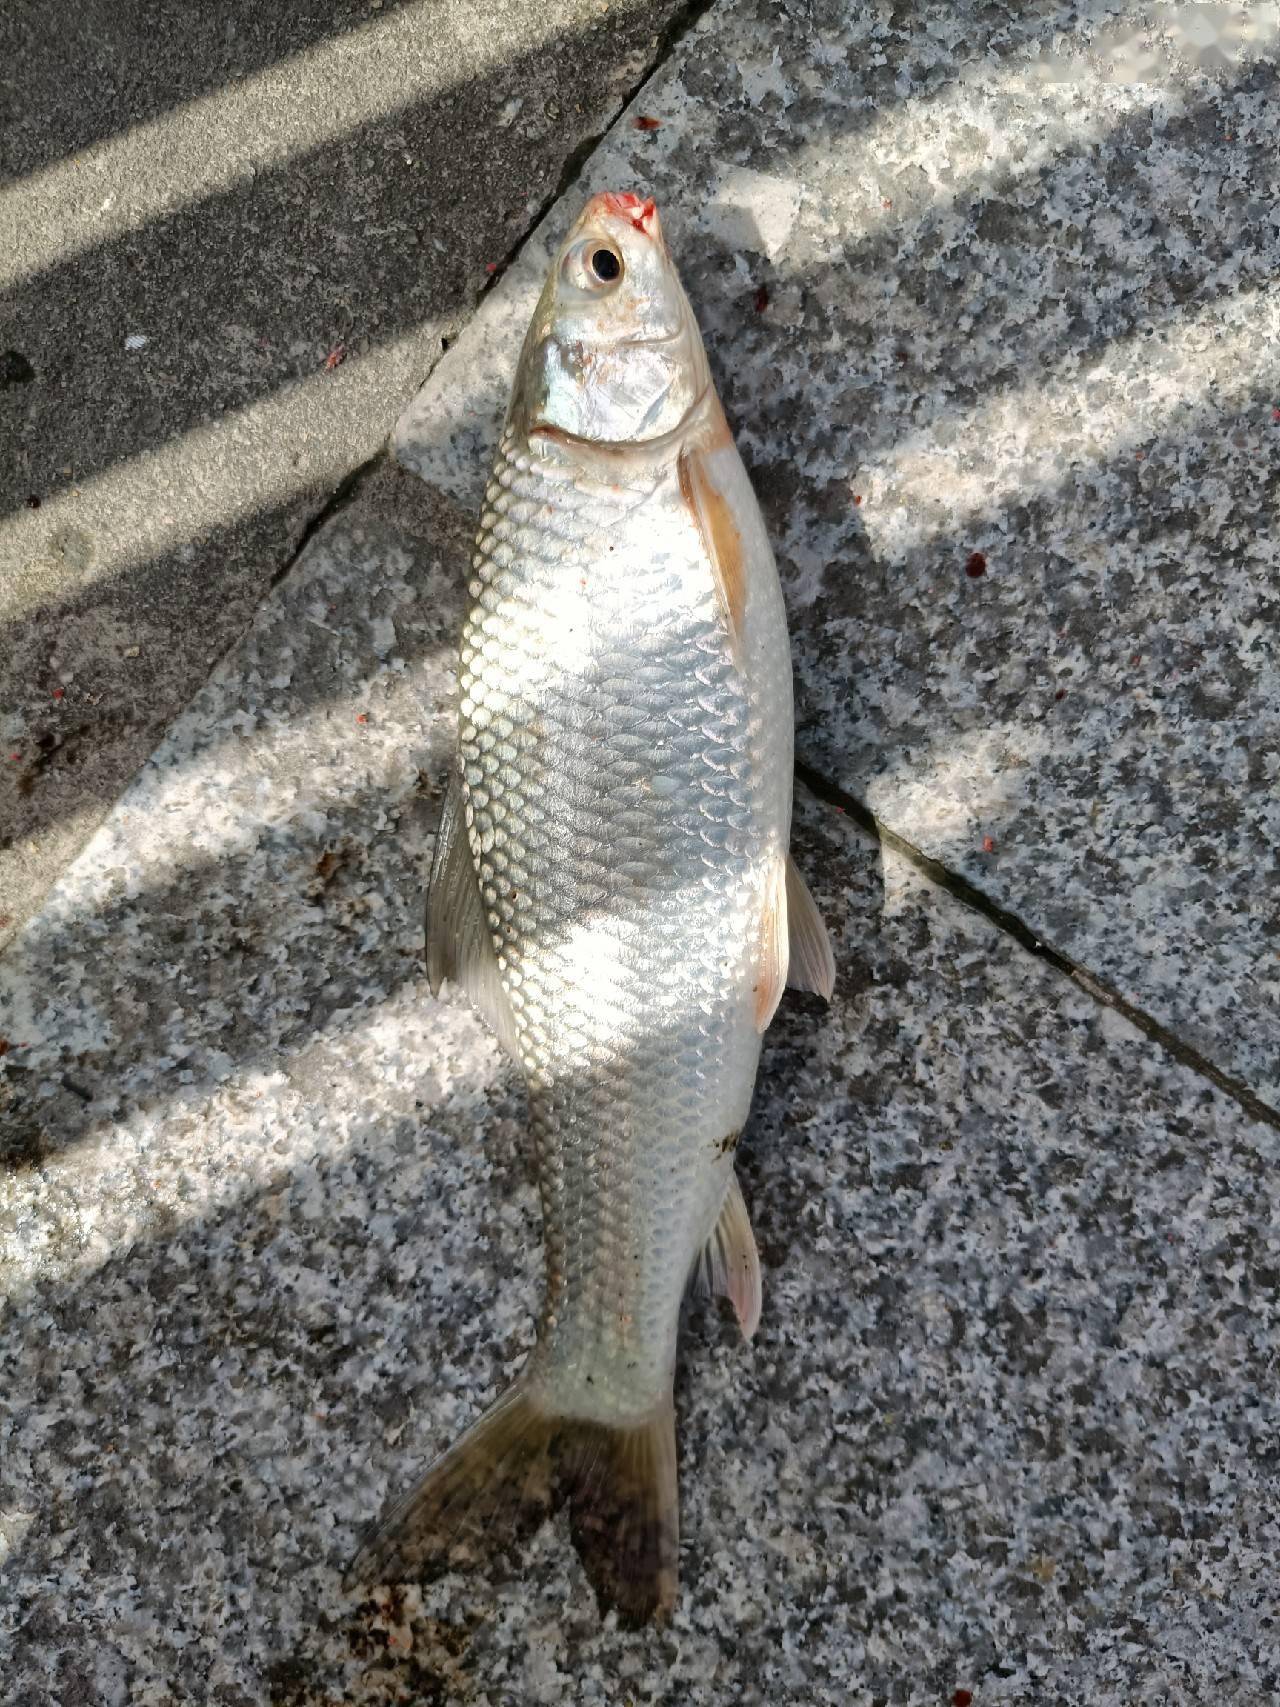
[(975, 565), (633, 207)]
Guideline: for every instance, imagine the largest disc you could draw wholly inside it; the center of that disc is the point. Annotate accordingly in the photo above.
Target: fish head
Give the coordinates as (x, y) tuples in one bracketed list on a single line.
[(613, 354)]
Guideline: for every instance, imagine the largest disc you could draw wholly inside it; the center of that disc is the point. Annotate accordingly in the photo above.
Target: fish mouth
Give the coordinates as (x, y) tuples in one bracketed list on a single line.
[(626, 204)]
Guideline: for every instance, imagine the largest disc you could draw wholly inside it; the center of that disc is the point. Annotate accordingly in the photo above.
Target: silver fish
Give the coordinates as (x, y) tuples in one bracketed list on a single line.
[(611, 887)]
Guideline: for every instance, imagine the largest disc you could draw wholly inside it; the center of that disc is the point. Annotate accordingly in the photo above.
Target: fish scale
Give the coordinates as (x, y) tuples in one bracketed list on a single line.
[(611, 887), (622, 1083)]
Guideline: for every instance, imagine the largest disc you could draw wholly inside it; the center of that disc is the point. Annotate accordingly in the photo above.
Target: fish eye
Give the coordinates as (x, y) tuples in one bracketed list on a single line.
[(605, 265)]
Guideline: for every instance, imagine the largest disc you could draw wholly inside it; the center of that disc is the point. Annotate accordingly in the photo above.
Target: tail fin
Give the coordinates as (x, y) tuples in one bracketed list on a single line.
[(625, 1510), (518, 1463)]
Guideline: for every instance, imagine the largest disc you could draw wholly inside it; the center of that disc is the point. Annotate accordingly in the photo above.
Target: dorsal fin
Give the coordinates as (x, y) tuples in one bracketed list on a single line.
[(459, 946)]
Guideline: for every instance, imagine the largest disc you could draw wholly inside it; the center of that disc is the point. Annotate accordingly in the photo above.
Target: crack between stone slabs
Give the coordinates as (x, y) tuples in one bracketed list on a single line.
[(670, 36), (344, 493), (352, 483), (969, 895)]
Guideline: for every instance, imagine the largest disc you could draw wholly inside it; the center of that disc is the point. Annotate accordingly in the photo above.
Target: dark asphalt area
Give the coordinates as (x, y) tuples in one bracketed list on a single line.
[(295, 206)]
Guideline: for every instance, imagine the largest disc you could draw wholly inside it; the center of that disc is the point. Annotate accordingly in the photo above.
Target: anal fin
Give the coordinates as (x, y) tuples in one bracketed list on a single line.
[(729, 1265)]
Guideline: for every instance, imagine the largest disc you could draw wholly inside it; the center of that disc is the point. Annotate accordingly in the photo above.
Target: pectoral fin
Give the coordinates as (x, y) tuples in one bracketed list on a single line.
[(811, 964), (729, 1265), (721, 536), (459, 946)]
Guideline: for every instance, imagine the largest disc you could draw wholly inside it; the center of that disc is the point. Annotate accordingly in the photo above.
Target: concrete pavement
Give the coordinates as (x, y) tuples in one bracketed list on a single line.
[(232, 242)]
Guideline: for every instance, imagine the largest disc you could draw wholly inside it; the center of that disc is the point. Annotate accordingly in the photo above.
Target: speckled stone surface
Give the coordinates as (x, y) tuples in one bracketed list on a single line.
[(268, 1235), (958, 305)]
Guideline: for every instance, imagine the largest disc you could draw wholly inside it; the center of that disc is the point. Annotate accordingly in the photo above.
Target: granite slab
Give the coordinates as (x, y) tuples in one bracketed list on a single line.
[(269, 1237), (268, 1234), (990, 298)]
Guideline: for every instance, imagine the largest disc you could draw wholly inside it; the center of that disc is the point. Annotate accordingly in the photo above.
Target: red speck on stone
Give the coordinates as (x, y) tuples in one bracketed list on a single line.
[(16, 757), (857, 497), (1136, 658), (886, 202), (975, 565), (59, 692), (1275, 416), (1140, 456), (1061, 693), (962, 1698), (642, 121), (337, 355), (762, 299), (362, 716), (491, 267), (988, 845), (4, 1045)]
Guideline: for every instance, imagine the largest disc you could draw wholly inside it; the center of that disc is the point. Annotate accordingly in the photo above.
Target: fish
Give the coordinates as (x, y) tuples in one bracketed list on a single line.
[(611, 887)]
